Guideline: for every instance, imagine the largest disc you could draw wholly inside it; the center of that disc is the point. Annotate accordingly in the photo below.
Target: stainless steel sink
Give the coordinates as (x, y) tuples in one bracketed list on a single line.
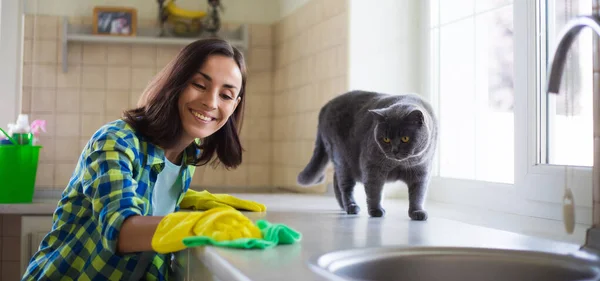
[(448, 264)]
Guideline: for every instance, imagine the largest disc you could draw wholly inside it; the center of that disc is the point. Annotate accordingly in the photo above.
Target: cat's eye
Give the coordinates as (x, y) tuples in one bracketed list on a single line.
[(386, 140), (405, 139)]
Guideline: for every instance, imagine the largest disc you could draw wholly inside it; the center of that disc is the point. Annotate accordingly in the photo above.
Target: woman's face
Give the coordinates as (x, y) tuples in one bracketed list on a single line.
[(210, 97)]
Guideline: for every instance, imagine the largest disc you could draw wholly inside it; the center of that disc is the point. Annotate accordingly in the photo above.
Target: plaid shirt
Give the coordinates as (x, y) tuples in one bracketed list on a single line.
[(113, 180)]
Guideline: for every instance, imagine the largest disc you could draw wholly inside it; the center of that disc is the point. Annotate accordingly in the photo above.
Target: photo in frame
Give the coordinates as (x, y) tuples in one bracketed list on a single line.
[(115, 21)]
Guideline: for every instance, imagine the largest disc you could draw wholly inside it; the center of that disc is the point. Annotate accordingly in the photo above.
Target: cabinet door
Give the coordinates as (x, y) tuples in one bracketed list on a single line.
[(33, 230)]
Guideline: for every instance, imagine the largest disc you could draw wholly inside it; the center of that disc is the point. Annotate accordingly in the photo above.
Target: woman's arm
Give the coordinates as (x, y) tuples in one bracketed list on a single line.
[(136, 234)]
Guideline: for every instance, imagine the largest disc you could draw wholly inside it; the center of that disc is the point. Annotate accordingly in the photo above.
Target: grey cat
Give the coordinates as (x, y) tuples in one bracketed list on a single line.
[(375, 138)]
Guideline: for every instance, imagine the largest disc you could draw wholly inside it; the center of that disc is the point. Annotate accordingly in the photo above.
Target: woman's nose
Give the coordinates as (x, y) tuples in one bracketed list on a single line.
[(210, 98)]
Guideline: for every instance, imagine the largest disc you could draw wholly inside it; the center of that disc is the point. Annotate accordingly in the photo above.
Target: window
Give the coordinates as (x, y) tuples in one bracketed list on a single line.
[(473, 56), (568, 136), (504, 143)]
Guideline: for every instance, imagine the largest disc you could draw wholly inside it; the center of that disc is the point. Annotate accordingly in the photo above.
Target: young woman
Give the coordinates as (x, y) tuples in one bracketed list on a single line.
[(136, 170)]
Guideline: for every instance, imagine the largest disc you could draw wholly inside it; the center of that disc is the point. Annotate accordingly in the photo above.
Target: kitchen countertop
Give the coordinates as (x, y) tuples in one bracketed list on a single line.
[(325, 228), (37, 207)]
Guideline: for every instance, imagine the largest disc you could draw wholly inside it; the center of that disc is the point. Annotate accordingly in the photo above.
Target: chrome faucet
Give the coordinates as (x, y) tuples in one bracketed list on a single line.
[(565, 39)]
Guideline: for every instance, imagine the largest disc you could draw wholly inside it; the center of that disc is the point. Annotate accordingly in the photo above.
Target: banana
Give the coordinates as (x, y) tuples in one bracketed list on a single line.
[(178, 12)]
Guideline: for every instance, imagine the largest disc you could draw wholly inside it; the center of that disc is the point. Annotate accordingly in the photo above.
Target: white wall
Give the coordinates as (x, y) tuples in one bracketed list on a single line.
[(246, 11), (10, 52), (384, 45)]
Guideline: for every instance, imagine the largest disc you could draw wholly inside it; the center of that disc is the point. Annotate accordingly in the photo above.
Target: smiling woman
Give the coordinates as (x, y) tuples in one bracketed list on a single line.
[(199, 93), (135, 172)]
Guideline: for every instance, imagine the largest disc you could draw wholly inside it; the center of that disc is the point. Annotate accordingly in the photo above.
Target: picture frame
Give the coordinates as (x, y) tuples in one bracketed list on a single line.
[(115, 21)]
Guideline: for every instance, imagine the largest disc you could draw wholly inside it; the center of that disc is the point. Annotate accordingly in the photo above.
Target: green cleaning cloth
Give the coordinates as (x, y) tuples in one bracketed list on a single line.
[(273, 235)]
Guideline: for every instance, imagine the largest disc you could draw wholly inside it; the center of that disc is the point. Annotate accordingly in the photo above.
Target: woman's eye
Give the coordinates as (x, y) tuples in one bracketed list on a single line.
[(199, 86), (226, 96)]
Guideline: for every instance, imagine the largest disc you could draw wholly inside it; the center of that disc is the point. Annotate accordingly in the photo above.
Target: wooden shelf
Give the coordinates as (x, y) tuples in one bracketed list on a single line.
[(147, 36)]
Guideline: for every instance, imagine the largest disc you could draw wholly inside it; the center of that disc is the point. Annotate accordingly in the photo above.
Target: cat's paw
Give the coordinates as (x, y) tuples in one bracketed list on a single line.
[(352, 209), (418, 215), (379, 212)]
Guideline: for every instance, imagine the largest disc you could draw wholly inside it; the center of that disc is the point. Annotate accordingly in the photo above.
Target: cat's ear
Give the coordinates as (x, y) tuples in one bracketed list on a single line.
[(379, 114), (415, 116)]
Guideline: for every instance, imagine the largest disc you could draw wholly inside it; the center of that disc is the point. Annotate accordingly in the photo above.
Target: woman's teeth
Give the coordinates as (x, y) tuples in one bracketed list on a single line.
[(203, 117)]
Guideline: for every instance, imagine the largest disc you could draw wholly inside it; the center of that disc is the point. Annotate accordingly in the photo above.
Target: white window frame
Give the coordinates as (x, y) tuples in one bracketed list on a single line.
[(538, 189), (10, 55)]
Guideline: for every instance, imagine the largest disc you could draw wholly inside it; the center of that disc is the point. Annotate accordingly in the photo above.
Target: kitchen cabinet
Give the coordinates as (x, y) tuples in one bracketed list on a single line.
[(33, 230)]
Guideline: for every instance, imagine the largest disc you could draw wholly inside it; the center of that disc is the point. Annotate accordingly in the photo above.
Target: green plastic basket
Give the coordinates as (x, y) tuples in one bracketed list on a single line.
[(18, 169)]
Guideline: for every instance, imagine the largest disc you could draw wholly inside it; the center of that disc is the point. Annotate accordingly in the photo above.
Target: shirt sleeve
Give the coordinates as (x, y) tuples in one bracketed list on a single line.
[(109, 183)]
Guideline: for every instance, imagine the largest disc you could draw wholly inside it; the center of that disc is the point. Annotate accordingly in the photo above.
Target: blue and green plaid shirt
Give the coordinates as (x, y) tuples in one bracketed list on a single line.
[(113, 180)]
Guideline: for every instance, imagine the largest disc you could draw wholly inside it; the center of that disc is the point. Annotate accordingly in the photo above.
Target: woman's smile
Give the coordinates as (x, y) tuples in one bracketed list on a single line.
[(202, 116)]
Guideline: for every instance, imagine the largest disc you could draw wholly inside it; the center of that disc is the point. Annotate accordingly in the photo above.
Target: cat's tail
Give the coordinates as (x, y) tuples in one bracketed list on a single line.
[(314, 172)]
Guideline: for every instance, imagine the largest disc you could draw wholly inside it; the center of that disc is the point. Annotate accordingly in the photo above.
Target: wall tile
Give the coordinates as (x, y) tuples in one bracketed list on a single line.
[(197, 178), (94, 54), (45, 51), (28, 27), (43, 100), (45, 27), (70, 79), (42, 75), (143, 56), (119, 55), (333, 7), (213, 177), (261, 35), (26, 100), (93, 101), (260, 59), (47, 151), (74, 54), (257, 128), (134, 97), (67, 149), (259, 105), (62, 174), (259, 176), (257, 152), (27, 50), (118, 78), (260, 82), (237, 177), (67, 101), (140, 77), (27, 75), (165, 54), (93, 77), (116, 102), (67, 125), (90, 123), (44, 176)]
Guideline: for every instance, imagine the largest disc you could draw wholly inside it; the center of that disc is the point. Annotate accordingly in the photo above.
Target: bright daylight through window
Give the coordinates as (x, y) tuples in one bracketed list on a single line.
[(472, 84), (568, 121)]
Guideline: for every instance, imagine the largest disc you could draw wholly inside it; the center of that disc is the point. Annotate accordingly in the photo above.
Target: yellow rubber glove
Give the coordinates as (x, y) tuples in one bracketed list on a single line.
[(218, 223), (204, 200)]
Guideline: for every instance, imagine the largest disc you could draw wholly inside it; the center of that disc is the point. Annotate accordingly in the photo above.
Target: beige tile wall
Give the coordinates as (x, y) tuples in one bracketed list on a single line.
[(104, 79), (311, 51)]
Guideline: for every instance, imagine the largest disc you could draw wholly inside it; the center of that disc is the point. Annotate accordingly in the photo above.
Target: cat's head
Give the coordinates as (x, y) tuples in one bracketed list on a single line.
[(401, 131)]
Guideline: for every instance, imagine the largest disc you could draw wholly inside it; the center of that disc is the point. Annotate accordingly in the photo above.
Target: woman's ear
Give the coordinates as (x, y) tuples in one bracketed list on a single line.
[(237, 101)]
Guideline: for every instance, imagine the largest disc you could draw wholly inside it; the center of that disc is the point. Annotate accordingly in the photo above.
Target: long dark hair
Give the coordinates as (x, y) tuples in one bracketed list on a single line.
[(157, 115)]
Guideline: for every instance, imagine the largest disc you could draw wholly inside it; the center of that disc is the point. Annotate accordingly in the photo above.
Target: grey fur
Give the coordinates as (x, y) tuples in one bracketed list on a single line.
[(350, 133)]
